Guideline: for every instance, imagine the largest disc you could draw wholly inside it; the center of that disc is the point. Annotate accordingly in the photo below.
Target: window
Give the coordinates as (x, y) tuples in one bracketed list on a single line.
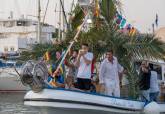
[(21, 23), (84, 2), (11, 48), (8, 24), (5, 49)]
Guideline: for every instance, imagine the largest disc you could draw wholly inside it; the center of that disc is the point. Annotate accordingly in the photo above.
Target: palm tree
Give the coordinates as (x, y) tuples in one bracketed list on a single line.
[(126, 48)]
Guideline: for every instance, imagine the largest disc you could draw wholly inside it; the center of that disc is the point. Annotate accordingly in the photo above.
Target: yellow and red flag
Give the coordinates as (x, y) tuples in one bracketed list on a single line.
[(97, 11), (47, 56), (132, 31)]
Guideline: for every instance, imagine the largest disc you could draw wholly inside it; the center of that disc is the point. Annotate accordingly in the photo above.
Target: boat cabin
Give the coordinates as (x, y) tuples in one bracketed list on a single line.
[(158, 66)]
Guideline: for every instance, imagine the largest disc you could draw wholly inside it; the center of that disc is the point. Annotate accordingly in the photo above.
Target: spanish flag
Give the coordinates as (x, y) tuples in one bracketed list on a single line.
[(132, 31), (97, 11), (51, 81), (62, 70), (47, 56)]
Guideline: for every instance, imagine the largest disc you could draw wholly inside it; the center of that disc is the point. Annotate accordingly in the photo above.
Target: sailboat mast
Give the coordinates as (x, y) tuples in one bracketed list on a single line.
[(59, 29), (39, 23), (63, 19)]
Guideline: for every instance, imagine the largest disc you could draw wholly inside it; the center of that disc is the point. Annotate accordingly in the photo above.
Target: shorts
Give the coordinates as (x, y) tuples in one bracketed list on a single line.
[(83, 84)]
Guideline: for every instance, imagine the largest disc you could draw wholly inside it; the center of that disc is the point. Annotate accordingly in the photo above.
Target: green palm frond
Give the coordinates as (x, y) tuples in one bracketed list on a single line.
[(77, 18), (108, 9), (146, 46)]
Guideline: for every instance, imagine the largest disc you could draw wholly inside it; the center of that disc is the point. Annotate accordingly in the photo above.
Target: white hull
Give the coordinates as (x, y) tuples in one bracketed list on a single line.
[(10, 82), (79, 101)]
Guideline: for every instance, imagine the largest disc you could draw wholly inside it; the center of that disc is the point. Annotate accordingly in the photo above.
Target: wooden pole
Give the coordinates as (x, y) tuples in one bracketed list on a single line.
[(74, 40)]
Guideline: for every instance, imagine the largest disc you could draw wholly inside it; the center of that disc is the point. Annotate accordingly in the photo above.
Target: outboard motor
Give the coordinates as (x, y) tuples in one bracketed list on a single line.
[(33, 74)]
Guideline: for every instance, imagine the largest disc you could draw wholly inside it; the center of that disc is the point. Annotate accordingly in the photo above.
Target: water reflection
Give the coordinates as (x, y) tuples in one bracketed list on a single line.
[(12, 103)]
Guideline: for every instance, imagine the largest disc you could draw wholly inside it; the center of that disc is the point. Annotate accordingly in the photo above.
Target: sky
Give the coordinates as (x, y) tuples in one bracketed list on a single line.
[(139, 13), (142, 13)]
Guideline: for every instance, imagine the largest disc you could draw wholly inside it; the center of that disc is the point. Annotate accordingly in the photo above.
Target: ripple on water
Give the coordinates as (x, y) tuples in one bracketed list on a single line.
[(12, 103)]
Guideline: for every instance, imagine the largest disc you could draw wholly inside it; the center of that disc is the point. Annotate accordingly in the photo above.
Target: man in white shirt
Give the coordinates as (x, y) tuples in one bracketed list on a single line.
[(109, 75), (84, 61)]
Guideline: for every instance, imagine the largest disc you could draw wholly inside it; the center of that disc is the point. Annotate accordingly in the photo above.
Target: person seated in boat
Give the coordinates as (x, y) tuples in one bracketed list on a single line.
[(72, 68), (57, 79), (144, 82), (84, 62)]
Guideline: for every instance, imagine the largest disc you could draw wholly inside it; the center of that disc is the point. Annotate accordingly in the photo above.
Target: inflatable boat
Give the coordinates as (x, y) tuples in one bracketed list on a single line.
[(81, 101), (67, 101)]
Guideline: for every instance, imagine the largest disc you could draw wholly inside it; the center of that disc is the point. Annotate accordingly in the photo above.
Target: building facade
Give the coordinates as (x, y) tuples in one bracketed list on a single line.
[(160, 33), (21, 34)]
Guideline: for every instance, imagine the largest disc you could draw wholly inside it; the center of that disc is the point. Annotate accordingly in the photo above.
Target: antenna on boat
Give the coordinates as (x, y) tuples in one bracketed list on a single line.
[(17, 71), (39, 23), (55, 10), (59, 28), (45, 11)]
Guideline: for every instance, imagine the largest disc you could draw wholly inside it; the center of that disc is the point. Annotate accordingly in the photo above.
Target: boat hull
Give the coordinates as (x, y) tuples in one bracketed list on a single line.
[(64, 99)]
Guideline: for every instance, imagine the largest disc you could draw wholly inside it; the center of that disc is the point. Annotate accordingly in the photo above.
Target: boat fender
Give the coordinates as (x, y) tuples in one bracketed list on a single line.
[(152, 108)]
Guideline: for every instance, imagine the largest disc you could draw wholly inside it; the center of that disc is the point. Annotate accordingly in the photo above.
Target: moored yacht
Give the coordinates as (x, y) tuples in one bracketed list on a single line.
[(9, 79)]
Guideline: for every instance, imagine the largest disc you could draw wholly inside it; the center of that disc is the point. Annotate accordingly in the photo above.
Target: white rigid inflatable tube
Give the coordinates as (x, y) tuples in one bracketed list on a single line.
[(59, 98)]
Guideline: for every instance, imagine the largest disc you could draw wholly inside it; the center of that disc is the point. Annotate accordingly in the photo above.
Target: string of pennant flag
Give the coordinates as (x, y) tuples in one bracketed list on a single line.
[(124, 27), (119, 21)]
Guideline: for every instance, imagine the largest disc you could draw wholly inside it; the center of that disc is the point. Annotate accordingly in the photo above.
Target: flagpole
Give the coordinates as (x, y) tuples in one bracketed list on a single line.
[(39, 23), (74, 40), (59, 29)]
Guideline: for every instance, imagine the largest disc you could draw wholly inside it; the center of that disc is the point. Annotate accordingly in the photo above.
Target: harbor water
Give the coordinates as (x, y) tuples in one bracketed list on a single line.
[(12, 103)]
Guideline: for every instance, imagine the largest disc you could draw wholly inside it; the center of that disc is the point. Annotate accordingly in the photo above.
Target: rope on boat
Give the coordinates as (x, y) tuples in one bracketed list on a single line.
[(45, 11)]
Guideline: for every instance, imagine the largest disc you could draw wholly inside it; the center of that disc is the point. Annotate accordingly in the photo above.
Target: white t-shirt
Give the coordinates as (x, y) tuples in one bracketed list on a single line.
[(84, 70), (154, 86), (110, 71)]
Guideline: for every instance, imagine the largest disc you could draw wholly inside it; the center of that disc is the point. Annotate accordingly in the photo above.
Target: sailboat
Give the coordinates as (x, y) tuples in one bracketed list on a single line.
[(9, 80)]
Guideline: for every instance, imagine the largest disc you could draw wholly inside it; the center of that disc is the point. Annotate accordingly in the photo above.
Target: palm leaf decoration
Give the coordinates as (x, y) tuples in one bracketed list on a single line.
[(108, 9), (78, 16), (127, 49)]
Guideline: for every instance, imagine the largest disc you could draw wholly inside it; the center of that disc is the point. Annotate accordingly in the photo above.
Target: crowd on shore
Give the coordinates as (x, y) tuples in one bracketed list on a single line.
[(80, 67)]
